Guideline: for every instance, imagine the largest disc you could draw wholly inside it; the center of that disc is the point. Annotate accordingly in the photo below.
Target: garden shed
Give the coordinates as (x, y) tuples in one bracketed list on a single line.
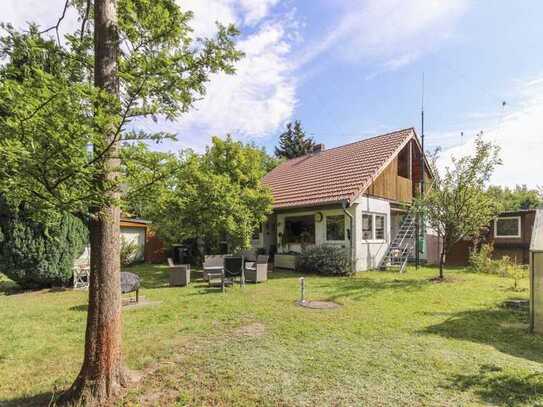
[(536, 275)]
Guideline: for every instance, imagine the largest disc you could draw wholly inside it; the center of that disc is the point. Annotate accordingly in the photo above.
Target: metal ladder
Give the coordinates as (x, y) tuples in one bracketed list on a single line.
[(402, 247)]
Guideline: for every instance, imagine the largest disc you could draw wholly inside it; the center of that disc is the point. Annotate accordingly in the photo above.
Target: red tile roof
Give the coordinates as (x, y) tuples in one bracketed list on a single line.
[(334, 175)]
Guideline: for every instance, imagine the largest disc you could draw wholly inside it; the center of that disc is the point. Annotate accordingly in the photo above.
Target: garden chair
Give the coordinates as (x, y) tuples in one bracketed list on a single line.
[(233, 268), (179, 274), (213, 264), (81, 276), (257, 272)]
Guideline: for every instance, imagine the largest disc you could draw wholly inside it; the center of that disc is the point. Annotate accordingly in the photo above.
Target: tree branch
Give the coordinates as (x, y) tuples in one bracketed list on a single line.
[(84, 21), (57, 25), (41, 106)]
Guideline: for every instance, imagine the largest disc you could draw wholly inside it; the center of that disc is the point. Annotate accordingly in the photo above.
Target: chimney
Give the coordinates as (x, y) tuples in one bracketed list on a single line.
[(317, 148)]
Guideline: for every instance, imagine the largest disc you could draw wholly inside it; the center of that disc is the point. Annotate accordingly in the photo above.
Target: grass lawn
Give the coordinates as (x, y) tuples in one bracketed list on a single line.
[(396, 340)]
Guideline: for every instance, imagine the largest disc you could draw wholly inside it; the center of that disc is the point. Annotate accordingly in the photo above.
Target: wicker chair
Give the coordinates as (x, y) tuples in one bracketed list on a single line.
[(212, 264), (257, 272)]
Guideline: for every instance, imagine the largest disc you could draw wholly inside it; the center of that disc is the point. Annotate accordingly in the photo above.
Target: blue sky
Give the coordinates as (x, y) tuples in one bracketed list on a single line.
[(352, 69)]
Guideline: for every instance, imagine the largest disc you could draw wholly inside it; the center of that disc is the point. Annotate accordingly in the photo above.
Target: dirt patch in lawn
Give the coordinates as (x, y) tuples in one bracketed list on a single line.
[(318, 304), (129, 303), (253, 330), (446, 279)]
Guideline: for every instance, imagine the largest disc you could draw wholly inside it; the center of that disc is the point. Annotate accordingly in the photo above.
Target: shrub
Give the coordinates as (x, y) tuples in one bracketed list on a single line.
[(129, 252), (35, 255), (512, 270), (326, 260), (480, 261)]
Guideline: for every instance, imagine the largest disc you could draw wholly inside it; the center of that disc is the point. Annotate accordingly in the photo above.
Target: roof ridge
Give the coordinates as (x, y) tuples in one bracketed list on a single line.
[(351, 143), (344, 173)]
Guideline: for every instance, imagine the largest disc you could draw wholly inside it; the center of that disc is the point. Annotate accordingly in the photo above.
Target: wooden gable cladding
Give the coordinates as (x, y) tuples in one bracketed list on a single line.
[(391, 186)]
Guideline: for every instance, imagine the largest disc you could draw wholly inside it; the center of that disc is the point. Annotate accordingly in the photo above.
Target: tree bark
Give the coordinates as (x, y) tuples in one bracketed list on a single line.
[(442, 258), (102, 375)]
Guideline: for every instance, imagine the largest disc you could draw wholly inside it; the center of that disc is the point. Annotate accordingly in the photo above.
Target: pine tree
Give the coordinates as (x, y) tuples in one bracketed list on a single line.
[(293, 142)]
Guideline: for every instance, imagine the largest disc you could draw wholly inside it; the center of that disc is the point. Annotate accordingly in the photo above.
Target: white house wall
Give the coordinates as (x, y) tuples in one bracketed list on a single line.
[(320, 229), (369, 253)]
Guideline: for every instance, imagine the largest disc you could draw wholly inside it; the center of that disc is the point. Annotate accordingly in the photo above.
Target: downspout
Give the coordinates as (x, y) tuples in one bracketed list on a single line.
[(344, 206)]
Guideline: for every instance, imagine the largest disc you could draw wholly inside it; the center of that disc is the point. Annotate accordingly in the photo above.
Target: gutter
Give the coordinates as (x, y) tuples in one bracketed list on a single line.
[(344, 205)]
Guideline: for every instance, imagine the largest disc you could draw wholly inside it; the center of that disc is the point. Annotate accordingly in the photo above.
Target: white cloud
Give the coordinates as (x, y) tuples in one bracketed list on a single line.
[(258, 99), (207, 12), (519, 133), (256, 10), (43, 12), (240, 12), (261, 95), (254, 102), (391, 33)]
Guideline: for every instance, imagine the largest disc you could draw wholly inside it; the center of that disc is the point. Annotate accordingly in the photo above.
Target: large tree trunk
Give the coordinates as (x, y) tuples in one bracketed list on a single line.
[(102, 375)]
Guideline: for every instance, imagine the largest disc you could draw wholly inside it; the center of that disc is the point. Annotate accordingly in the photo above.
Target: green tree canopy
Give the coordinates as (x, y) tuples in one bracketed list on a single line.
[(459, 206), (53, 118), (519, 197), (214, 196), (293, 142)]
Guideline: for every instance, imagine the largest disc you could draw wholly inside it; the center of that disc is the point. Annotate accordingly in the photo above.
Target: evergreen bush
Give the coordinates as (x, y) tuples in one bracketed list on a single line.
[(35, 255), (325, 260)]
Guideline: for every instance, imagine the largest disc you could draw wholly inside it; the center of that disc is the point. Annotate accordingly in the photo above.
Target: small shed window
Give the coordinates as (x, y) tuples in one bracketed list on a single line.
[(335, 227), (507, 227), (367, 227)]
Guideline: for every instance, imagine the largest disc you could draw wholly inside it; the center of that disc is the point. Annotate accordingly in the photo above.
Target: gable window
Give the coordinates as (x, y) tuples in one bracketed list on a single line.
[(507, 227), (404, 161), (335, 227), (367, 227), (300, 229)]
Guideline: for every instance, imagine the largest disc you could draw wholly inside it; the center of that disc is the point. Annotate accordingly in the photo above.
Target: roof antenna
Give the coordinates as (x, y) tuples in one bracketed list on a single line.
[(422, 138), (419, 246)]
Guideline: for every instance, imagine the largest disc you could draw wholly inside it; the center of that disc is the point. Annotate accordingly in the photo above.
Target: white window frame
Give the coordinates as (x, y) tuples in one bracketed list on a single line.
[(384, 216), (326, 228), (518, 218), (374, 227)]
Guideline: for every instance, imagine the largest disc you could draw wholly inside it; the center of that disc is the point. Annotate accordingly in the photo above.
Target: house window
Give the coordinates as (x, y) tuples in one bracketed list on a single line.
[(507, 227), (380, 227), (367, 227), (373, 226), (335, 227), (300, 229)]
